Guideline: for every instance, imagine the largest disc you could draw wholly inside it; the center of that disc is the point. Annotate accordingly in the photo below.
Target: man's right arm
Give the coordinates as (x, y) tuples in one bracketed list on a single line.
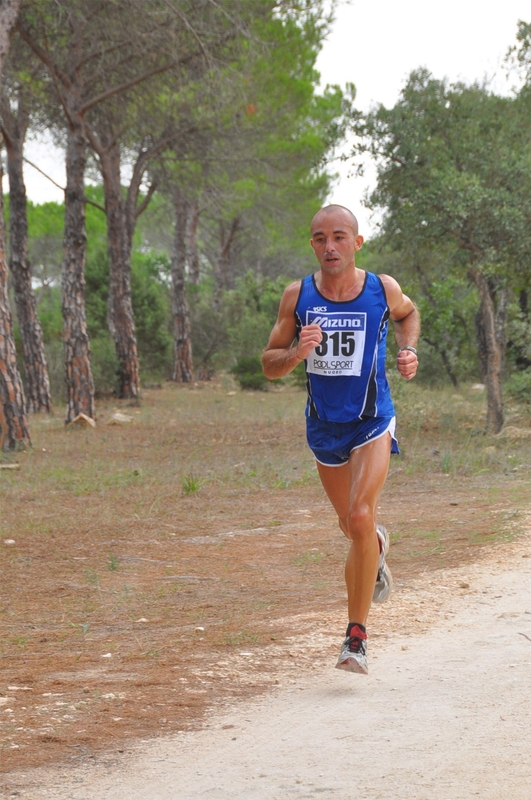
[(282, 354)]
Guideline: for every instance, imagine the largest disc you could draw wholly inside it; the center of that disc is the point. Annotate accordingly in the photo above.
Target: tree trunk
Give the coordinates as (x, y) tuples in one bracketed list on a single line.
[(500, 320), (79, 382), (441, 351), (226, 241), (38, 396), (481, 342), (183, 366), (193, 250), (8, 16), (492, 329), (13, 424), (520, 351), (14, 433), (121, 321)]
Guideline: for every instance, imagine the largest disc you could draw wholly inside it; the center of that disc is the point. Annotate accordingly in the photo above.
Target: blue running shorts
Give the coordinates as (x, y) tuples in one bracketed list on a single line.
[(333, 442)]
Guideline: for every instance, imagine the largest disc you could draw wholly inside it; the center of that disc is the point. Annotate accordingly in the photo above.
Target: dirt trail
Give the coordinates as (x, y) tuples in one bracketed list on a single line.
[(444, 714)]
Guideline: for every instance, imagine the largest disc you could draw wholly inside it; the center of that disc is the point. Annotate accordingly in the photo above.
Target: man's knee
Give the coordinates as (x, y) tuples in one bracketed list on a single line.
[(360, 523), (343, 525)]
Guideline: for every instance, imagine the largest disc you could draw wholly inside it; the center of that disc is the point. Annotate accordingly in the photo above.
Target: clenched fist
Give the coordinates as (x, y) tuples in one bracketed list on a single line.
[(310, 337)]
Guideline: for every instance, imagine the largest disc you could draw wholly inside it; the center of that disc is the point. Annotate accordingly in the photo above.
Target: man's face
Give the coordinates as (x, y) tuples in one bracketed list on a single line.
[(334, 241)]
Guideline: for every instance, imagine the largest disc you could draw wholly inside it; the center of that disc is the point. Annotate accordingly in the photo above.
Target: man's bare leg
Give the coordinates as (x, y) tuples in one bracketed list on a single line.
[(354, 490)]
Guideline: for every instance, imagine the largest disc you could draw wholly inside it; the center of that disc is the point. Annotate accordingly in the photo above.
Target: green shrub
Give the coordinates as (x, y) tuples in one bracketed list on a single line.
[(518, 387), (298, 376), (248, 373), (55, 358), (233, 325), (152, 312), (104, 363)]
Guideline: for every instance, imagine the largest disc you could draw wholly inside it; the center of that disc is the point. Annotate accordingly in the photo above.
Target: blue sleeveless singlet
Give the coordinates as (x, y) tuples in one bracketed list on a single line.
[(346, 377)]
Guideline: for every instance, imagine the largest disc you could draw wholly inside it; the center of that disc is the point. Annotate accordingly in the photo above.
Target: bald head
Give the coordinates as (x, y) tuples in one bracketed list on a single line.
[(335, 239), (344, 214)]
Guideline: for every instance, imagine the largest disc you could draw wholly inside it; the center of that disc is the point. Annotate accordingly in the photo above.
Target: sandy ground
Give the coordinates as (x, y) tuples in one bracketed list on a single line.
[(444, 713)]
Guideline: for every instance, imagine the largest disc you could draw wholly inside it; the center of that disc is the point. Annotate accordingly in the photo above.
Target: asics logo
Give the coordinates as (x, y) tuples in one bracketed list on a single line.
[(320, 309)]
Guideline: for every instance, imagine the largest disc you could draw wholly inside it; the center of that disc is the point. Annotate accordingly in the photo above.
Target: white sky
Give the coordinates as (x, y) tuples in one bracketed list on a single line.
[(375, 45)]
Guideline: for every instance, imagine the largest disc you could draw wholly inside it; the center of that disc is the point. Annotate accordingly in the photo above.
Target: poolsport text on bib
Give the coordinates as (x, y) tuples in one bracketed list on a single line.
[(342, 345)]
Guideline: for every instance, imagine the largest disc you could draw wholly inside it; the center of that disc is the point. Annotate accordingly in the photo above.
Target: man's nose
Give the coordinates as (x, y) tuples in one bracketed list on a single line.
[(330, 245)]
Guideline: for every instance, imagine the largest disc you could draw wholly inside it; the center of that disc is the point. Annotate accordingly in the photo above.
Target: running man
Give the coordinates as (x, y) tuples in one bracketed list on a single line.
[(336, 322)]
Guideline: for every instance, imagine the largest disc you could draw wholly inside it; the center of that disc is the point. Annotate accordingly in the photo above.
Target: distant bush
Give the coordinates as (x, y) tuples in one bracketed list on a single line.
[(55, 358), (236, 324), (248, 373), (152, 312), (104, 364), (518, 386), (252, 308), (298, 376)]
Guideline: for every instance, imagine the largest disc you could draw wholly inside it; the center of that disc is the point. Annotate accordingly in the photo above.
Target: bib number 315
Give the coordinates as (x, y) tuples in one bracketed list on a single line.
[(339, 343)]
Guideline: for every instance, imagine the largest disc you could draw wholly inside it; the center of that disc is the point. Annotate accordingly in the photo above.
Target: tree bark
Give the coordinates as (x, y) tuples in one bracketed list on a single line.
[(122, 213), (520, 355), (38, 395), (492, 334), (121, 321), (441, 351), (226, 241), (501, 296), (79, 381), (8, 16), (193, 250), (183, 366), (481, 342), (14, 433)]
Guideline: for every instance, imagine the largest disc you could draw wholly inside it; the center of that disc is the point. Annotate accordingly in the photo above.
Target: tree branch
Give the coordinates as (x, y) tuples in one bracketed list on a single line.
[(138, 171), (187, 25), (43, 55), (87, 199), (55, 73), (122, 87), (97, 53), (62, 188), (96, 205), (145, 202)]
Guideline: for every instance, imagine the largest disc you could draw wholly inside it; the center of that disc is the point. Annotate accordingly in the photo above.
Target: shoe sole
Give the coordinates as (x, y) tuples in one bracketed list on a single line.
[(383, 536), (382, 589), (351, 665)]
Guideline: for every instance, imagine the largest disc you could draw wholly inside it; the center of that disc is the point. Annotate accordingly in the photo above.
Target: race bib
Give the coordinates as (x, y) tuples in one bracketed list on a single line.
[(342, 345)]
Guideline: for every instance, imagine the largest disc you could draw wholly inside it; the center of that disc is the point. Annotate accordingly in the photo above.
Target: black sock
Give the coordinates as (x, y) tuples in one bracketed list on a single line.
[(357, 624)]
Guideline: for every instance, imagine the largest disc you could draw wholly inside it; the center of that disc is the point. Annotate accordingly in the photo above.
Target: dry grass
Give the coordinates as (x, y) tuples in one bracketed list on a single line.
[(147, 555)]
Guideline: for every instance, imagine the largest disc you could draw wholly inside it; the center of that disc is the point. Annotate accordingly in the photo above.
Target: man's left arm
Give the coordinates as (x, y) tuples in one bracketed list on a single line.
[(406, 319)]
